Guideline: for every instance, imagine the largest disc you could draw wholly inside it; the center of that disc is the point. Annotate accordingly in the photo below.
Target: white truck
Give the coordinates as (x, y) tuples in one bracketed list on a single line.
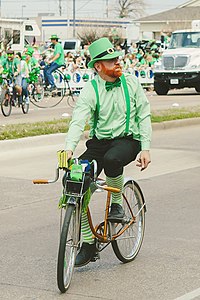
[(17, 33), (179, 66)]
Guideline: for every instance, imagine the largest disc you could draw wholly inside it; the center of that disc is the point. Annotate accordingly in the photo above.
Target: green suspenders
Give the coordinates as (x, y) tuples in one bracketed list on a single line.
[(96, 113), (127, 97)]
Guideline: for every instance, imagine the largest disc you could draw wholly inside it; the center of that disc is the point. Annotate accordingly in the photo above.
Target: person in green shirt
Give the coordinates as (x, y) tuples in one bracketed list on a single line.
[(31, 61), (55, 62), (12, 65), (120, 129)]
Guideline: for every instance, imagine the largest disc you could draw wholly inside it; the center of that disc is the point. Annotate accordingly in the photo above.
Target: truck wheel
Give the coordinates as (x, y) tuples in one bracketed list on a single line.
[(197, 88), (160, 88)]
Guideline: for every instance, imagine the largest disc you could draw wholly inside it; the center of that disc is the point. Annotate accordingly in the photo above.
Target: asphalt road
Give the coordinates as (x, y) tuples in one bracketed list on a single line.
[(168, 265), (174, 99)]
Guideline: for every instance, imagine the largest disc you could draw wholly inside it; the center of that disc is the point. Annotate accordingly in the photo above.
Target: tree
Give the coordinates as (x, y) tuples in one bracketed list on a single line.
[(130, 8), (5, 40), (88, 35)]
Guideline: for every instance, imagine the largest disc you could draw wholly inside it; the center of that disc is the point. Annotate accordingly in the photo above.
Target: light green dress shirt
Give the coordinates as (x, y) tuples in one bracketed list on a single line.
[(112, 116)]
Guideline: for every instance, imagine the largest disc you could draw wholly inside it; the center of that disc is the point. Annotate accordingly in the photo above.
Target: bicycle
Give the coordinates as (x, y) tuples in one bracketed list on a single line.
[(63, 88), (125, 238), (8, 100), (36, 85)]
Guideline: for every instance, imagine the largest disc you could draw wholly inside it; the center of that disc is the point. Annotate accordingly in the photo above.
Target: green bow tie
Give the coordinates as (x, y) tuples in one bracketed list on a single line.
[(110, 85)]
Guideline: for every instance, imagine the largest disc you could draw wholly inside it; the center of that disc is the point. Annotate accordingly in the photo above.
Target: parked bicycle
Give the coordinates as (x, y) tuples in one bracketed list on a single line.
[(125, 237), (8, 97)]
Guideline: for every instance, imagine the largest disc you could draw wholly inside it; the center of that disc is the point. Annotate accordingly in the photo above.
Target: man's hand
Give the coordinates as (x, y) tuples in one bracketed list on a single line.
[(143, 160), (63, 158), (69, 154)]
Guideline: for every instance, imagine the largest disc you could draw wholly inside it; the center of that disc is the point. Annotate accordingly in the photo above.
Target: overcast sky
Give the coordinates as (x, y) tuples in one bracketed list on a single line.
[(84, 8)]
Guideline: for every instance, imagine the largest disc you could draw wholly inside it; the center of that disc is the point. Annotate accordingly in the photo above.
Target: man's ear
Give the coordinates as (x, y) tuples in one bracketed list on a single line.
[(97, 66)]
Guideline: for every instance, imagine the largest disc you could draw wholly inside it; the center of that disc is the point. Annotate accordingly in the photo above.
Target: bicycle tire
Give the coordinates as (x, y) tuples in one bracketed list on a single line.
[(71, 101), (127, 246), (6, 104), (61, 87), (24, 106), (69, 239)]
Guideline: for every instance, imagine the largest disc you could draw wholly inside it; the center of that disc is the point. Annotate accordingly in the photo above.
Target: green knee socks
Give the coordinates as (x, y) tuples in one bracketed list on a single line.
[(116, 182), (86, 232)]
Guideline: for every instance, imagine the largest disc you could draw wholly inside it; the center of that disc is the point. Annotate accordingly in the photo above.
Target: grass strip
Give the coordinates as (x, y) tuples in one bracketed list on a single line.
[(175, 114), (15, 131)]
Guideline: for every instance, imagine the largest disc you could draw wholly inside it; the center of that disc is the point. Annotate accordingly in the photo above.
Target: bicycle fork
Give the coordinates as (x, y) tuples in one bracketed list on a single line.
[(77, 203)]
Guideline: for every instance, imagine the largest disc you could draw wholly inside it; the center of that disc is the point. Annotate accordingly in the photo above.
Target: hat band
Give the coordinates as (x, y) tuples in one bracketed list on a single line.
[(108, 51)]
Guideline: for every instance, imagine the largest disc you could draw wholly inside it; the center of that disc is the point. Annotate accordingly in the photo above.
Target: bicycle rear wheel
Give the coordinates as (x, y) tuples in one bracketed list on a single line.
[(69, 240), (6, 103), (127, 245)]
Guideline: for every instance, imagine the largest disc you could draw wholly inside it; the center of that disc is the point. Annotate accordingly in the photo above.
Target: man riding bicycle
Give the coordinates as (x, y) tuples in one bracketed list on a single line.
[(120, 129), (12, 65), (56, 61)]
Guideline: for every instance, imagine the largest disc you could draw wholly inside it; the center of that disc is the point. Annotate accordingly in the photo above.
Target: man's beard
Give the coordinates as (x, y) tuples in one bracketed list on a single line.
[(116, 72)]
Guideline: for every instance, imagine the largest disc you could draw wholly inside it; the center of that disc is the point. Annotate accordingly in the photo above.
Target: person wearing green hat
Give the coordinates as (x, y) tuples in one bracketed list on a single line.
[(32, 64), (55, 62), (120, 130), (12, 65)]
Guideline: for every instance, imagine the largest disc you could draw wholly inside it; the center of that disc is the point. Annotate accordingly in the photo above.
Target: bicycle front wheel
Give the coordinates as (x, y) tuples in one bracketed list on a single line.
[(6, 103), (127, 245), (69, 240), (71, 99), (25, 105)]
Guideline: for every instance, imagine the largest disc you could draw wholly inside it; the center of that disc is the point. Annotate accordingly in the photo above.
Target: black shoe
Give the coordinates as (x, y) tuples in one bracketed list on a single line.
[(85, 255), (116, 213)]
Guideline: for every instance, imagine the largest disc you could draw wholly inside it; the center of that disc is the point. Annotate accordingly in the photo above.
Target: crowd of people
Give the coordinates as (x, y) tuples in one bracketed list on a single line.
[(137, 57)]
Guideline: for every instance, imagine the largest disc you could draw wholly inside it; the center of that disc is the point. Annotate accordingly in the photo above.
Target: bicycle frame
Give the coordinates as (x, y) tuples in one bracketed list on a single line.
[(104, 238)]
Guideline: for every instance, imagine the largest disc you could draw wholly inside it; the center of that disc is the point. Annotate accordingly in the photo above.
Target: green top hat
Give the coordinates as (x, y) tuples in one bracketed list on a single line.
[(29, 51), (54, 37), (102, 49)]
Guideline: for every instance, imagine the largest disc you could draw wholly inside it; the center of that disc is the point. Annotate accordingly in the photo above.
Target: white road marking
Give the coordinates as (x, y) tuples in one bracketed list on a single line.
[(189, 296)]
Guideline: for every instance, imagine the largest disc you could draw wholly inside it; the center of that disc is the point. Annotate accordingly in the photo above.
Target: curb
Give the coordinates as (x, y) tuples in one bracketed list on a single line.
[(176, 123)]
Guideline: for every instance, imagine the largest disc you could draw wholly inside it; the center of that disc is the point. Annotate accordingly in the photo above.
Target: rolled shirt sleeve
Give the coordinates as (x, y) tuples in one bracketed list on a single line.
[(85, 106)]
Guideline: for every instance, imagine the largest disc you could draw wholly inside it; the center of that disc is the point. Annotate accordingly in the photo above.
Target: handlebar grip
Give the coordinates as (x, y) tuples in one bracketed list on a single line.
[(40, 181), (111, 189)]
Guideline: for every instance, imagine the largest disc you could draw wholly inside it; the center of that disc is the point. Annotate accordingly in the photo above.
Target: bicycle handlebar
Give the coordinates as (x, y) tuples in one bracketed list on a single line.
[(40, 181), (46, 181), (103, 187)]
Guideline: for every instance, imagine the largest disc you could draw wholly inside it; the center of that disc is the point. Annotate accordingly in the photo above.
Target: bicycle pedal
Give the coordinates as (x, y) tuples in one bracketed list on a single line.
[(95, 257)]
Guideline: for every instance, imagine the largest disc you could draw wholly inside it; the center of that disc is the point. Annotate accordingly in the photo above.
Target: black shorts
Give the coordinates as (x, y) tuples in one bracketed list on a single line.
[(112, 155)]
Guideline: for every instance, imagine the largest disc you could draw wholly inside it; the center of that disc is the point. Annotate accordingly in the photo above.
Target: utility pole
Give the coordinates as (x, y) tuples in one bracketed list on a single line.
[(74, 18), (23, 6), (106, 8), (60, 8)]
